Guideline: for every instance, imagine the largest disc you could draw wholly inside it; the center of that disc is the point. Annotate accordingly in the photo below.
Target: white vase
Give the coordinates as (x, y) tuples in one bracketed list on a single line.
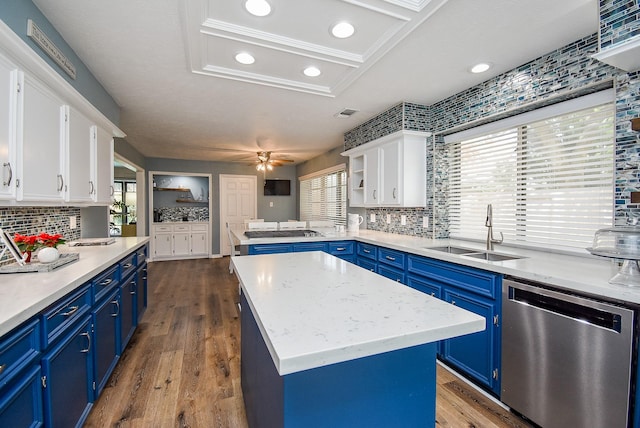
[(48, 255)]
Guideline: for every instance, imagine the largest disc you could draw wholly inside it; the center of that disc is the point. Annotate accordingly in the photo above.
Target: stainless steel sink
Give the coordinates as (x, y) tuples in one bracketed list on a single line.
[(452, 250), (492, 257)]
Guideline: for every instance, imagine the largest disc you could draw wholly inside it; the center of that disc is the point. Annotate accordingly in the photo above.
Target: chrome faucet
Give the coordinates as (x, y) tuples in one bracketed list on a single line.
[(489, 224)]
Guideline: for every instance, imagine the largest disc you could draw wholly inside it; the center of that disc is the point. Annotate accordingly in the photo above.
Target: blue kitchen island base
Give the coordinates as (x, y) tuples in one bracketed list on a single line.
[(391, 389)]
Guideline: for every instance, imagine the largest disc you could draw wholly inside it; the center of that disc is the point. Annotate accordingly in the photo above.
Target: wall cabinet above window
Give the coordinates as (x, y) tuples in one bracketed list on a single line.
[(390, 171)]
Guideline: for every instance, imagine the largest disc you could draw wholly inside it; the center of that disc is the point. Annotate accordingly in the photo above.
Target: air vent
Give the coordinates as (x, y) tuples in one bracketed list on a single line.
[(345, 113)]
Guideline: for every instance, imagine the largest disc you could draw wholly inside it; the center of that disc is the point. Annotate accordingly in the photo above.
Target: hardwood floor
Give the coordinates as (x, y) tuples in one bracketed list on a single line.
[(182, 366)]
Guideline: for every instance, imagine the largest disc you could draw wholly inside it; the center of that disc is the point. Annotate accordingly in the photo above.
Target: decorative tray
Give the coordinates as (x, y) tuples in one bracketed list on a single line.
[(36, 266)]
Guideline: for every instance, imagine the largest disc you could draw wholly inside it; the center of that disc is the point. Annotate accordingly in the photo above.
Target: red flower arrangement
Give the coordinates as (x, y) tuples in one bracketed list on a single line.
[(30, 243), (53, 241)]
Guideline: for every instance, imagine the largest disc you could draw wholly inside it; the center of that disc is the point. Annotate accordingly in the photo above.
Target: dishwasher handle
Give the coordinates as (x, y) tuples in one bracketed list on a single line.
[(579, 312)]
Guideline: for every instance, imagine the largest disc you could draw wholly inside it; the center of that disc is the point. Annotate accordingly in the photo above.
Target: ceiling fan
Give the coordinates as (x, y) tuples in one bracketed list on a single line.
[(265, 163)]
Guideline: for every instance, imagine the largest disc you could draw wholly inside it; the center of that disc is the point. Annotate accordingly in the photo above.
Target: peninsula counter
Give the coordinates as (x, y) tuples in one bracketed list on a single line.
[(327, 343)]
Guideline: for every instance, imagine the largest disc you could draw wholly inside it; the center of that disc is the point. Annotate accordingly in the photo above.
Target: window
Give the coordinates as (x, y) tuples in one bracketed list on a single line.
[(323, 195), (548, 178)]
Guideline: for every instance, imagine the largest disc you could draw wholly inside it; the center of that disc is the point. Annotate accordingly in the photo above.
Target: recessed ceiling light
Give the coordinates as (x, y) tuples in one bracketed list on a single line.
[(342, 30), (258, 7), (480, 68), (312, 71), (245, 58)]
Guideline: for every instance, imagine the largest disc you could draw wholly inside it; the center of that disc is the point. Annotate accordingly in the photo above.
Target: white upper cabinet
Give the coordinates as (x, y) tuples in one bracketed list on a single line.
[(40, 167), (77, 140), (390, 171), (102, 166), (10, 103)]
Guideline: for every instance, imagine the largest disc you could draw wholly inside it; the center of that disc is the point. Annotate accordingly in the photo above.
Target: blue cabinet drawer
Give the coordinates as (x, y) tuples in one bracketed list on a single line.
[(19, 349), (106, 282), (21, 402), (391, 273), (309, 246), (142, 253), (367, 264), (477, 281), (62, 314), (391, 257), (425, 286), (367, 250), (341, 248), (270, 249), (128, 265)]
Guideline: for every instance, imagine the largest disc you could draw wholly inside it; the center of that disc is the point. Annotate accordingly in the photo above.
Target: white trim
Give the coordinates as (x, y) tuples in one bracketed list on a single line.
[(340, 167), (587, 101)]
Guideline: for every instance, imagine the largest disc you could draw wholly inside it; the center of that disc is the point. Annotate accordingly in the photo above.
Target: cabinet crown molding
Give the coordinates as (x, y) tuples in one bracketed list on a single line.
[(402, 134)]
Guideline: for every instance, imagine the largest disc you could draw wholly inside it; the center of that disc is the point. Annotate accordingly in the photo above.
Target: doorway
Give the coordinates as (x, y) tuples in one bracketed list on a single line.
[(238, 202), (127, 213)]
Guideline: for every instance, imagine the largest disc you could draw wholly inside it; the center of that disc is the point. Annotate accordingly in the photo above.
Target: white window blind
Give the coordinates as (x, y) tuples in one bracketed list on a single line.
[(323, 195), (550, 181)]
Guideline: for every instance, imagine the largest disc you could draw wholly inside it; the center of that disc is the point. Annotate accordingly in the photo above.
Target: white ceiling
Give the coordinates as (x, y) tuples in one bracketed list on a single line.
[(169, 64)]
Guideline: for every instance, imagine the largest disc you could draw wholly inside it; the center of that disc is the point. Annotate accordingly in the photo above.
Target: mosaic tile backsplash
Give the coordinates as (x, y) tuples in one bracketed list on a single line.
[(34, 220), (619, 21), (172, 214), (563, 74)]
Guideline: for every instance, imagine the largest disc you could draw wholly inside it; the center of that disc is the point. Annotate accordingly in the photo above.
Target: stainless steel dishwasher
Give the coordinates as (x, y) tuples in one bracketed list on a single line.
[(566, 360)]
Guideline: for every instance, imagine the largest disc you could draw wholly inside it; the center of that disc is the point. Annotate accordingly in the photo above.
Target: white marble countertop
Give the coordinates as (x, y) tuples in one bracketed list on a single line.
[(314, 309), (585, 274), (23, 295)]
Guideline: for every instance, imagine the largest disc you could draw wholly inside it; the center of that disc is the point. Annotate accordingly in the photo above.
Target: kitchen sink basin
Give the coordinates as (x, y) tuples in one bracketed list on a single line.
[(452, 250), (491, 257)]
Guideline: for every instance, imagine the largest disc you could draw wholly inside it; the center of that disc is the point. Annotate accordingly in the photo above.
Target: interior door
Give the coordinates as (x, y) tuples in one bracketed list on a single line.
[(238, 201)]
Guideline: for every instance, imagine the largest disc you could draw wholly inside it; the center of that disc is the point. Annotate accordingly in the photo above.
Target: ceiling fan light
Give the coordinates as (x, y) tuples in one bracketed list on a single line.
[(258, 7), (312, 71), (260, 167), (245, 58), (342, 30), (269, 167)]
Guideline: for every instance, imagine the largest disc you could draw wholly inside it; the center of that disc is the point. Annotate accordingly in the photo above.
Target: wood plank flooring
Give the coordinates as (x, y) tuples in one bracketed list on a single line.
[(182, 366)]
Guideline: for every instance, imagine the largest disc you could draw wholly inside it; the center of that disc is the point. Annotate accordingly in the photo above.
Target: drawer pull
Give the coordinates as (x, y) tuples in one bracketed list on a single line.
[(433, 294), (393, 259), (72, 310), (127, 266), (2, 367), (340, 249), (366, 251), (88, 336), (144, 278), (132, 287), (115, 302), (106, 282)]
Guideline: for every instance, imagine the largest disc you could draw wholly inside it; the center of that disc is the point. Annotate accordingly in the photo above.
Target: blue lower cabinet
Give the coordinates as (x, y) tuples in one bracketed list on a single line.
[(141, 292), (106, 319), (270, 249), (21, 401), (346, 250), (431, 288), (128, 291), (367, 263), (391, 273), (67, 377), (309, 246), (366, 251), (477, 354)]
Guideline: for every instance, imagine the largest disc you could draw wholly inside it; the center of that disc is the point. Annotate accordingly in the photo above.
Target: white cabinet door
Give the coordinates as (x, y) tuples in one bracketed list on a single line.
[(198, 243), (79, 186), (390, 173), (181, 245), (10, 106), (162, 244), (40, 169), (371, 177), (102, 163)]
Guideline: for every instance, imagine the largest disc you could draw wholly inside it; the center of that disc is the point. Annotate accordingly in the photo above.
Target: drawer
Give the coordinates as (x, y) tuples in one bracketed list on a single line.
[(270, 249), (19, 349), (165, 228), (142, 253), (61, 315), (341, 248), (366, 263), (309, 246), (477, 281), (391, 273), (367, 250), (181, 228), (392, 257), (199, 227), (106, 282), (128, 265)]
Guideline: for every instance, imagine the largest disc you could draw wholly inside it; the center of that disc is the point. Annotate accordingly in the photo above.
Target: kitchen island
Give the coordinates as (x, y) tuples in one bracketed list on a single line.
[(326, 343)]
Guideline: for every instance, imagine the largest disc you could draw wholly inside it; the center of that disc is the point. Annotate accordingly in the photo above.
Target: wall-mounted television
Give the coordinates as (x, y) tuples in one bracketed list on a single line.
[(277, 187)]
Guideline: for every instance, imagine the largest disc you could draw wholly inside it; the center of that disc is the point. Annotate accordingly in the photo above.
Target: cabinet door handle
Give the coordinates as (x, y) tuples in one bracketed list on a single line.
[(92, 188), (374, 194), (394, 193), (366, 251), (88, 336), (115, 302), (111, 190), (433, 294), (127, 266), (72, 310), (132, 288), (60, 182), (453, 302), (340, 249), (106, 282), (7, 166), (2, 367), (393, 259)]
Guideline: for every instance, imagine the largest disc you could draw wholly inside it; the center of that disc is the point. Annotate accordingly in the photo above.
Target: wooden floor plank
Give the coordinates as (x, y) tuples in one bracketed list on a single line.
[(182, 366)]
